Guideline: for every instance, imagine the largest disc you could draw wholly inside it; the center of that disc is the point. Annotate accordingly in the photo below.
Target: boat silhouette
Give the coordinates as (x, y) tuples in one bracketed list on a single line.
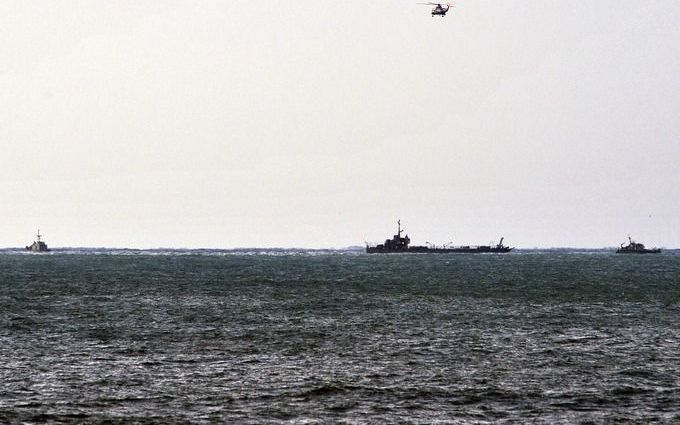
[(399, 244), (636, 248), (38, 245)]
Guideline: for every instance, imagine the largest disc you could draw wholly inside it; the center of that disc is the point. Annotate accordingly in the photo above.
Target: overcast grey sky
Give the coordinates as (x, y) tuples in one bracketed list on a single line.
[(319, 123)]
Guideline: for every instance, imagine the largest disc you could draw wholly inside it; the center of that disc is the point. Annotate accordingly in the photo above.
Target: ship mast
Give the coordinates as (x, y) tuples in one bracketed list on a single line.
[(399, 227), (38, 235)]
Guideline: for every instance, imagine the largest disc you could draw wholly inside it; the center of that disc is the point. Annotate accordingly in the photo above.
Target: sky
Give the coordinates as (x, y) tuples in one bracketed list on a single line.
[(318, 124)]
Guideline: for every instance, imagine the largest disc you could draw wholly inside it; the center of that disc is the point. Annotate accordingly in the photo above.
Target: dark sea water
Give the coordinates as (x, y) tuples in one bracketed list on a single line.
[(91, 336)]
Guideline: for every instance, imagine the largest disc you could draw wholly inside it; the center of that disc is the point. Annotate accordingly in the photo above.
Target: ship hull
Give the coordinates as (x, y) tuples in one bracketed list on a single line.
[(428, 250), (639, 251)]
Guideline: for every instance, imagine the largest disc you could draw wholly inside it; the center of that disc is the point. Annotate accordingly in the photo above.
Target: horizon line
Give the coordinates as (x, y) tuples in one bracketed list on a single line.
[(240, 248)]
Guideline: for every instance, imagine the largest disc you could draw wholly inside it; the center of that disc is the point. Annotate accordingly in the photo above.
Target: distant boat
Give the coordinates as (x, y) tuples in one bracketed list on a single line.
[(401, 245), (37, 245), (636, 248)]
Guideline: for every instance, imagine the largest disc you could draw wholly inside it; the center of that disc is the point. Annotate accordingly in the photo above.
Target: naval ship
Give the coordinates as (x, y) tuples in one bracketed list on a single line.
[(636, 248), (400, 244), (37, 245)]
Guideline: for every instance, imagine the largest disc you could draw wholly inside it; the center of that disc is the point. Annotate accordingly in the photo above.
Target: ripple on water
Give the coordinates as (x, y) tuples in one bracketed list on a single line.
[(252, 337)]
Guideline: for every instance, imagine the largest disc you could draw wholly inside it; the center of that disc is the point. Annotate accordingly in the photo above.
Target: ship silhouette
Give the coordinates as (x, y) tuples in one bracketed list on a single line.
[(636, 248), (399, 244), (37, 245)]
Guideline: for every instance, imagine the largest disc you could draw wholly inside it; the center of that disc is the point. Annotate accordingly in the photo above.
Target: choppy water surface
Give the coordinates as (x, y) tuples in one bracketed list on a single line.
[(204, 337)]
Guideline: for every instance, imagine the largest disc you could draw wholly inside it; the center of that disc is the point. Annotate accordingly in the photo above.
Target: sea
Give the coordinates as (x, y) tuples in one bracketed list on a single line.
[(256, 336)]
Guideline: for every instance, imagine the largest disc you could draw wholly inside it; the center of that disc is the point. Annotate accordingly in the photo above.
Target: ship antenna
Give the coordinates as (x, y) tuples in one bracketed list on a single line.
[(38, 235), (399, 227)]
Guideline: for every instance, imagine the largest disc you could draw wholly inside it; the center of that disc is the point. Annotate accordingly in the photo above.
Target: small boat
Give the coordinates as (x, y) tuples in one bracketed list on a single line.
[(38, 245), (636, 248)]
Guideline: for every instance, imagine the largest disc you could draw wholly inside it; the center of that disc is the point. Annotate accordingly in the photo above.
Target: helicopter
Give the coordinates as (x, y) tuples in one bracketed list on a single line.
[(438, 9)]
